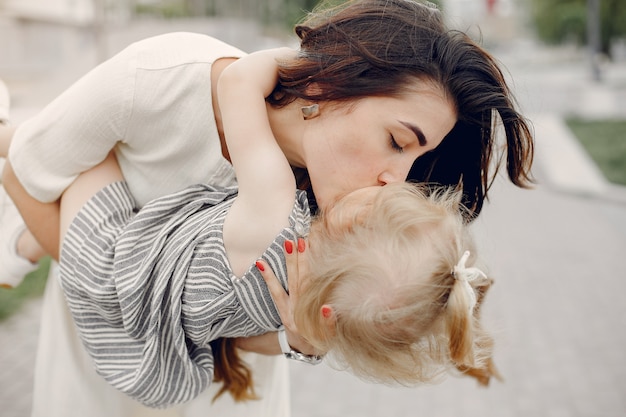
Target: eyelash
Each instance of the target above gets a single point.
(394, 144)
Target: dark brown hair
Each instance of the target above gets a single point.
(376, 47)
(230, 370)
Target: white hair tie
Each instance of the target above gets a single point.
(466, 275)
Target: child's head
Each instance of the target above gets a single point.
(382, 294)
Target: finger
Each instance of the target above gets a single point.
(300, 268)
(278, 293)
(291, 259)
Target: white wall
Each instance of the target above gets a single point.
(73, 12)
(68, 11)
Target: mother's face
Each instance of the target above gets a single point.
(373, 141)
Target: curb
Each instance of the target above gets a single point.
(567, 166)
(564, 161)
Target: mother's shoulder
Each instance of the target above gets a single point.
(177, 48)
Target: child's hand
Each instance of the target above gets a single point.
(285, 302)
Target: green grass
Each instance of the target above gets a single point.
(32, 286)
(605, 141)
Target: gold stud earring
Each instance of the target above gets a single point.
(310, 112)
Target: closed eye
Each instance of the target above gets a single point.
(394, 144)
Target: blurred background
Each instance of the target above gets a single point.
(557, 308)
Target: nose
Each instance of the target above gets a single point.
(396, 172)
(389, 177)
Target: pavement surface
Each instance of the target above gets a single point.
(557, 309)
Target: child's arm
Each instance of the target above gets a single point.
(256, 157)
(266, 182)
(60, 214)
(43, 218)
(265, 179)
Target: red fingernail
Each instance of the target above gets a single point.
(260, 266)
(326, 312)
(300, 245)
(288, 246)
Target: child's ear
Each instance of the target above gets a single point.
(328, 317)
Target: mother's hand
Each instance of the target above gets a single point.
(285, 301)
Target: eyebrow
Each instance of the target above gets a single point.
(421, 138)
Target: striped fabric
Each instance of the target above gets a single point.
(149, 290)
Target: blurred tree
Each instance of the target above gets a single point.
(284, 13)
(271, 12)
(195, 7)
(558, 21)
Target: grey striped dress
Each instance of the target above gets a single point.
(150, 289)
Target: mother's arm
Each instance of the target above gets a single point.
(265, 344)
(296, 269)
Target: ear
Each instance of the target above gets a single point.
(327, 311)
(328, 317)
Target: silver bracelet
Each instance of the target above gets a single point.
(294, 354)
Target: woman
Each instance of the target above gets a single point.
(160, 90)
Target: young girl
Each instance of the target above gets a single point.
(386, 265)
(151, 289)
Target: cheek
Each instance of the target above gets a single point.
(343, 161)
(339, 154)
(355, 152)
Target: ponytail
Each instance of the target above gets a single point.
(469, 345)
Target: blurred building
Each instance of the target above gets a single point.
(39, 34)
(66, 12)
(51, 43)
(493, 21)
(36, 33)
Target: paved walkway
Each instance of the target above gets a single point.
(18, 340)
(556, 252)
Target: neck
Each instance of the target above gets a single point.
(287, 125)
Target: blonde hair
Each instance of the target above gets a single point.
(400, 316)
